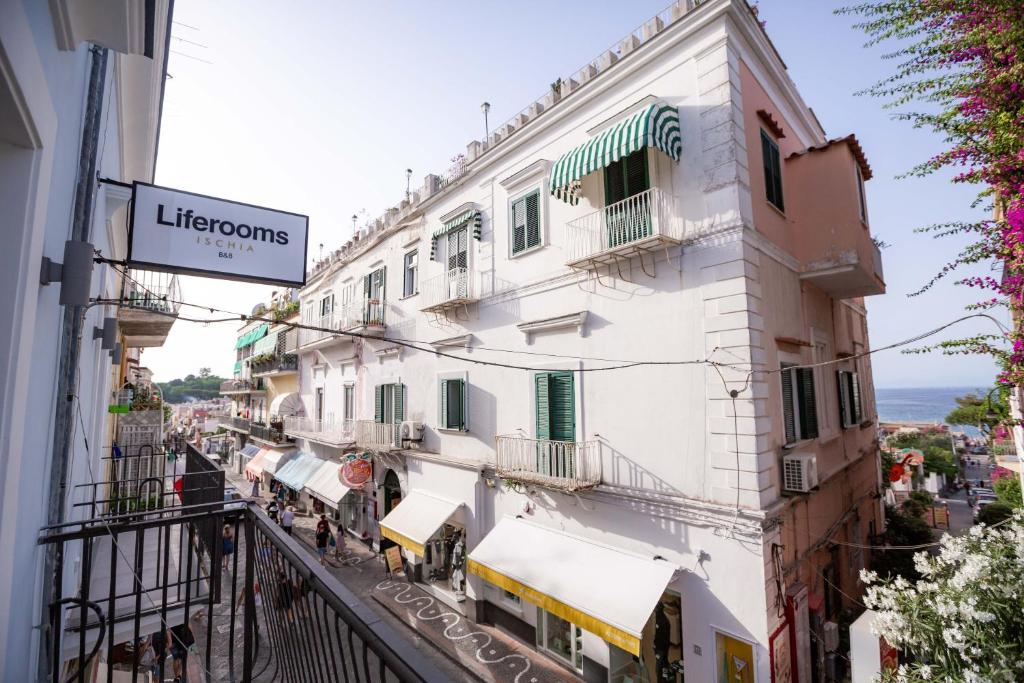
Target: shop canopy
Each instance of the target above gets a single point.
(286, 405)
(267, 344)
(656, 125)
(250, 450)
(607, 591)
(252, 335)
(325, 484)
(254, 468)
(274, 460)
(417, 517)
(296, 472)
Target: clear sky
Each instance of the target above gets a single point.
(318, 108)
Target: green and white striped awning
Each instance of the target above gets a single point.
(238, 367)
(252, 335)
(473, 215)
(266, 345)
(656, 125)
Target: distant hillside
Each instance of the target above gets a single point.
(201, 387)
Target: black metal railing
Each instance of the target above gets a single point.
(288, 362)
(265, 612)
(269, 433)
(239, 423)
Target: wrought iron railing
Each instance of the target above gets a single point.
(566, 465)
(288, 362)
(455, 285)
(649, 214)
(159, 292)
(241, 386)
(265, 612)
(377, 434)
(268, 433)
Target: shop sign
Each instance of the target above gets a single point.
(356, 469)
(781, 657)
(182, 232)
(888, 656)
(393, 555)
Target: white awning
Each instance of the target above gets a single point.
(605, 590)
(287, 405)
(326, 485)
(415, 520)
(275, 459)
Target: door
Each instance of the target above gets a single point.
(319, 404)
(458, 263)
(560, 638)
(628, 208)
(555, 401)
(373, 288)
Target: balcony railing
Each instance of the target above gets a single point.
(268, 433)
(368, 313)
(273, 615)
(289, 362)
(564, 465)
(242, 386)
(645, 221)
(322, 431)
(451, 289)
(237, 423)
(158, 292)
(377, 434)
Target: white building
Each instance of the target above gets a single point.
(81, 84)
(676, 200)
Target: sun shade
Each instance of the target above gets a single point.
(415, 520)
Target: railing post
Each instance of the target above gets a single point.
(249, 618)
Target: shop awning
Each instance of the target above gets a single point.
(250, 450)
(267, 344)
(326, 485)
(287, 405)
(473, 216)
(252, 336)
(656, 125)
(607, 591)
(296, 472)
(274, 460)
(416, 519)
(254, 468)
(238, 367)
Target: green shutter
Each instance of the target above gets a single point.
(636, 172)
(398, 398)
(855, 398)
(383, 283)
(443, 398)
(378, 403)
(788, 417)
(562, 406)
(614, 182)
(518, 225)
(808, 403)
(541, 394)
(532, 202)
(844, 399)
(456, 401)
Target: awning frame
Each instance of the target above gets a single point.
(462, 219)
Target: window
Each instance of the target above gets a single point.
(512, 599)
(319, 407)
(626, 177)
(772, 171)
(560, 638)
(555, 406)
(452, 404)
(799, 407)
(326, 305)
(389, 403)
(374, 285)
(526, 222)
(850, 411)
(410, 274)
(860, 194)
(349, 401)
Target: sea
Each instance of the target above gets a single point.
(930, 404)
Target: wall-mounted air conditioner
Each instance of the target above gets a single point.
(799, 472)
(411, 431)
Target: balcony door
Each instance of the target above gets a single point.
(628, 208)
(373, 288)
(319, 404)
(458, 262)
(555, 402)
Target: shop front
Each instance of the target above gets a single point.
(584, 593)
(359, 503)
(292, 478)
(254, 461)
(272, 461)
(326, 490)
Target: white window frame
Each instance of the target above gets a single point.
(464, 376)
(348, 400)
(541, 220)
(415, 270)
(542, 624)
(825, 399)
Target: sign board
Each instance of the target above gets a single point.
(356, 469)
(780, 655)
(393, 555)
(183, 232)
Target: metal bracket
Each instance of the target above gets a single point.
(50, 272)
(74, 274)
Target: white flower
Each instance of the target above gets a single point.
(867, 576)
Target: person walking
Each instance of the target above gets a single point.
(284, 596)
(288, 519)
(181, 641)
(323, 537)
(272, 508)
(254, 491)
(158, 642)
(227, 546)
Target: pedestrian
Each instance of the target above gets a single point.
(227, 546)
(272, 508)
(288, 519)
(285, 595)
(181, 641)
(254, 492)
(158, 643)
(323, 537)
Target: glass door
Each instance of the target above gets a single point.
(560, 638)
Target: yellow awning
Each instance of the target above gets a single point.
(417, 517)
(607, 591)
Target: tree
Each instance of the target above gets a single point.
(902, 528)
(962, 621)
(984, 413)
(994, 513)
(1007, 490)
(204, 372)
(960, 62)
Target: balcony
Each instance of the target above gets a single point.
(233, 387)
(379, 435)
(329, 432)
(269, 433)
(286, 364)
(848, 273)
(635, 226)
(561, 465)
(150, 307)
(238, 424)
(450, 290)
(122, 577)
(364, 318)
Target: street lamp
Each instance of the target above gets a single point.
(408, 177)
(354, 219)
(485, 108)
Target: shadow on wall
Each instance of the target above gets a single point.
(483, 422)
(619, 470)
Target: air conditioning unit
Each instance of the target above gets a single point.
(830, 632)
(411, 431)
(799, 472)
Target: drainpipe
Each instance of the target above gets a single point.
(71, 328)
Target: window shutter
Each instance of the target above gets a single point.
(855, 398)
(383, 283)
(541, 393)
(844, 399)
(443, 402)
(562, 406)
(518, 225)
(378, 403)
(614, 182)
(456, 393)
(808, 404)
(532, 220)
(398, 394)
(636, 172)
(788, 417)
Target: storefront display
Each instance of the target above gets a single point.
(444, 560)
(560, 638)
(734, 659)
(661, 652)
